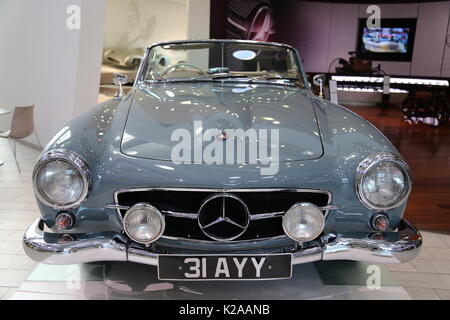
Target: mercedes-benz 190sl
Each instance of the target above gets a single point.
(222, 165)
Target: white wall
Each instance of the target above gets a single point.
(44, 63)
(198, 16)
(89, 54)
(139, 23)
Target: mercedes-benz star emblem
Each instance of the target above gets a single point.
(222, 136)
(223, 217)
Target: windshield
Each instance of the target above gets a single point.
(222, 61)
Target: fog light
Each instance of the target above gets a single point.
(380, 222)
(303, 222)
(64, 221)
(143, 223)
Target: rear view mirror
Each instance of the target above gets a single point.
(119, 79)
(319, 80)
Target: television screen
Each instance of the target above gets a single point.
(392, 41)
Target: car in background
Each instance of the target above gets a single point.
(123, 57)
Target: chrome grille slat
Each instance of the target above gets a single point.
(180, 214)
(254, 216)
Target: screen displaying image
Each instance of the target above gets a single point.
(392, 41)
(388, 40)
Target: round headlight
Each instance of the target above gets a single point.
(383, 181)
(303, 222)
(143, 223)
(61, 179)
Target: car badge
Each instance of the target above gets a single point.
(223, 217)
(222, 136)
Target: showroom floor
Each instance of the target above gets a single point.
(427, 277)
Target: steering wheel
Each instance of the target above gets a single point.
(178, 66)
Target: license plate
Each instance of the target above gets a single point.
(224, 267)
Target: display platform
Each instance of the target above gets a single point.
(342, 280)
(368, 91)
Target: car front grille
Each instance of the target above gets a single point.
(181, 207)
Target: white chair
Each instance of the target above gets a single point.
(22, 126)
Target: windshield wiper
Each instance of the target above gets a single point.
(220, 77)
(275, 78)
(193, 79)
(228, 76)
(244, 78)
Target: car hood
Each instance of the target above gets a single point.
(158, 110)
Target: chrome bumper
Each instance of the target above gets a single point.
(44, 248)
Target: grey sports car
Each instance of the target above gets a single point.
(123, 57)
(222, 165)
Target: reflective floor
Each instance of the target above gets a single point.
(427, 150)
(120, 280)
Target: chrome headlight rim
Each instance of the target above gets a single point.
(72, 159)
(370, 162)
(144, 205)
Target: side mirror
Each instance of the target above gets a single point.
(319, 80)
(119, 79)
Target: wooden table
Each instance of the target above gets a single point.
(2, 112)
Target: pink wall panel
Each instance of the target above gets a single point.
(343, 32)
(392, 10)
(431, 32)
(325, 31)
(389, 11)
(314, 20)
(446, 61)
